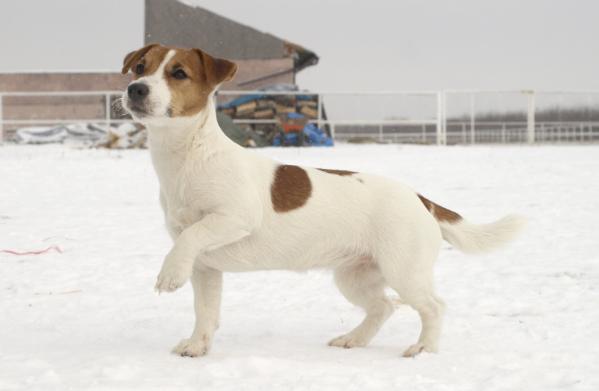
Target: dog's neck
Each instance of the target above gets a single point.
(174, 135)
(173, 140)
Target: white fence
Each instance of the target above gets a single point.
(526, 116)
(424, 117)
(404, 116)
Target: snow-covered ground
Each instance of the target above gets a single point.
(523, 318)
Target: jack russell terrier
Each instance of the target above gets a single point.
(228, 209)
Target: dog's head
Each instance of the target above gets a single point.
(172, 82)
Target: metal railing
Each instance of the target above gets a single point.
(426, 117)
(505, 132)
(543, 116)
(380, 129)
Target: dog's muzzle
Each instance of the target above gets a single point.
(136, 101)
(137, 92)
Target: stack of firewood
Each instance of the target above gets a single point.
(266, 107)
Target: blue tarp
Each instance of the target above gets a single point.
(313, 135)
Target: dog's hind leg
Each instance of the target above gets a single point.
(207, 288)
(410, 274)
(362, 284)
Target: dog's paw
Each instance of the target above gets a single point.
(171, 278)
(418, 348)
(192, 348)
(348, 341)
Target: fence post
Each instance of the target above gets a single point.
(543, 136)
(503, 133)
(444, 116)
(440, 133)
(472, 118)
(559, 132)
(530, 120)
(107, 110)
(1, 120)
(319, 119)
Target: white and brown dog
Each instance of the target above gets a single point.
(228, 209)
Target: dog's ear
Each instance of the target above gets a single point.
(134, 56)
(216, 70)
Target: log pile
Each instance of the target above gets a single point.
(267, 107)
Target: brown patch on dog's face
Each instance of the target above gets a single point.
(186, 81)
(191, 75)
(337, 172)
(145, 61)
(440, 213)
(291, 188)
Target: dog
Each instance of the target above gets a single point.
(229, 209)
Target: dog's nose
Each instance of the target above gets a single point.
(137, 91)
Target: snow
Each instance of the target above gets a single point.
(525, 317)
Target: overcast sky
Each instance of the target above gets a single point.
(367, 46)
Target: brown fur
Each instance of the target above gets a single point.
(204, 72)
(291, 188)
(216, 70)
(337, 172)
(440, 213)
(188, 96)
(150, 55)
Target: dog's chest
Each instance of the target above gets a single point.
(183, 195)
(185, 203)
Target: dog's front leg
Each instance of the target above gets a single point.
(210, 233)
(207, 288)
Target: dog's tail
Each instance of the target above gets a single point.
(473, 238)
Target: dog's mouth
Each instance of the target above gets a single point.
(138, 109)
(145, 109)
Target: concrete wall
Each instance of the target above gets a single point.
(52, 107)
(64, 81)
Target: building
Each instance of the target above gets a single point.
(263, 59)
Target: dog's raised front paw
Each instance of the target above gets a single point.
(192, 347)
(171, 278)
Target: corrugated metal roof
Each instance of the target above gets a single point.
(172, 23)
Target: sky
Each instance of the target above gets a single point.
(363, 45)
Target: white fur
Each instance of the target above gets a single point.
(478, 238)
(374, 232)
(160, 98)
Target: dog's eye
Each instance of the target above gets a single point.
(180, 74)
(139, 68)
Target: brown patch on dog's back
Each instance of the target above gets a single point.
(337, 172)
(440, 213)
(291, 188)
